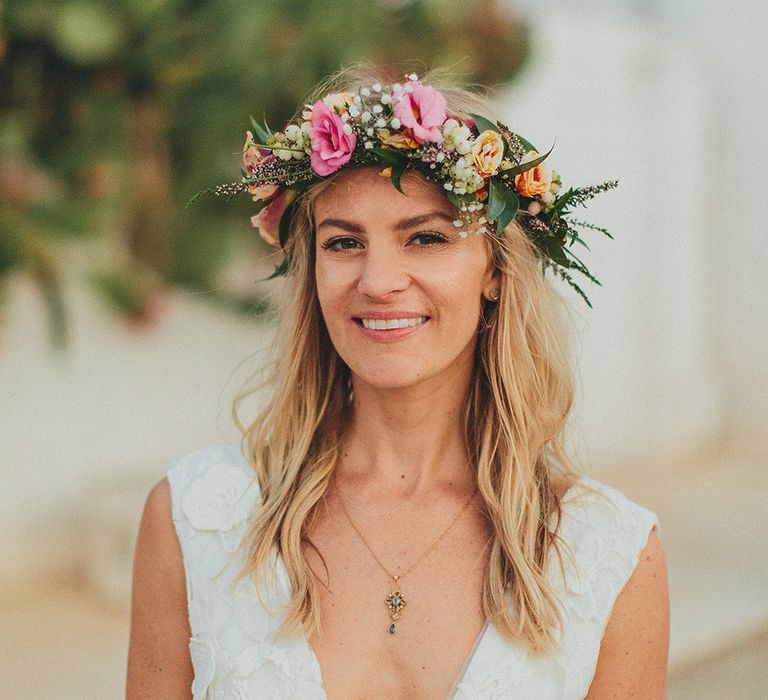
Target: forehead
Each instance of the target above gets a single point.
(364, 193)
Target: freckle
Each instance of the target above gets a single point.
(647, 559)
(402, 476)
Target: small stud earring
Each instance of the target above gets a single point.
(494, 294)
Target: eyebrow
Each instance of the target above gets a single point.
(401, 225)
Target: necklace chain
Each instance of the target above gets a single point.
(424, 554)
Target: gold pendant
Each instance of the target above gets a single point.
(395, 602)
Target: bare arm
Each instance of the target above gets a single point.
(159, 664)
(633, 653)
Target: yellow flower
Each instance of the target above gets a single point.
(397, 140)
(338, 101)
(535, 181)
(487, 152)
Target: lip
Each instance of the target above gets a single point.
(386, 315)
(392, 334)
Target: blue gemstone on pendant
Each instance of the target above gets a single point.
(392, 628)
(395, 601)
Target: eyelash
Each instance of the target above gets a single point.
(437, 239)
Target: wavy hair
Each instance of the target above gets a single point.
(514, 417)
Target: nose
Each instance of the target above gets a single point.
(381, 273)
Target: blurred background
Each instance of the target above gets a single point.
(128, 322)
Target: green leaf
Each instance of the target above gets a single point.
(391, 156)
(496, 200)
(202, 194)
(484, 124)
(503, 205)
(553, 249)
(261, 133)
(508, 214)
(259, 204)
(284, 228)
(395, 175)
(299, 187)
(282, 269)
(460, 200)
(562, 200)
(453, 198)
(578, 264)
(523, 167)
(527, 144)
(565, 276)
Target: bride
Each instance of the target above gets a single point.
(401, 520)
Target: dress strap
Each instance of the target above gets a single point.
(603, 534)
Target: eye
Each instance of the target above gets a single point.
(427, 238)
(340, 243)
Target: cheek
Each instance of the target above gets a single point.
(459, 307)
(324, 283)
(331, 295)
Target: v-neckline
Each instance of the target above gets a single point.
(315, 662)
(462, 672)
(471, 656)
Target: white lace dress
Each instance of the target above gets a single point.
(213, 490)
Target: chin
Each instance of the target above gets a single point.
(390, 375)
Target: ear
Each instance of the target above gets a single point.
(491, 282)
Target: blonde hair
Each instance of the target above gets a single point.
(518, 401)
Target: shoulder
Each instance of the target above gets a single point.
(157, 540)
(635, 646)
(601, 535)
(212, 488)
(615, 589)
(158, 661)
(222, 458)
(601, 525)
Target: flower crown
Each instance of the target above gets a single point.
(489, 173)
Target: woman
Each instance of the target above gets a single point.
(403, 521)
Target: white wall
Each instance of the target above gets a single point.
(671, 97)
(109, 413)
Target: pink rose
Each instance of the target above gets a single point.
(423, 112)
(253, 156)
(332, 147)
(268, 219)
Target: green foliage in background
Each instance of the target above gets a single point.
(112, 114)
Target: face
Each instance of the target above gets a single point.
(401, 292)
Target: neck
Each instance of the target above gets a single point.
(409, 440)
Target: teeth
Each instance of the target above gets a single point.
(381, 324)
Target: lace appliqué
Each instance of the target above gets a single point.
(235, 654)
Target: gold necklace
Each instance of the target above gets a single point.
(395, 601)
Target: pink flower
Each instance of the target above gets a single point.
(253, 156)
(332, 147)
(268, 219)
(423, 112)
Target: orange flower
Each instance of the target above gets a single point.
(535, 181)
(397, 140)
(487, 152)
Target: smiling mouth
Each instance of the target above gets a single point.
(381, 324)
